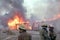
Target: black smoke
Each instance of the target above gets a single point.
(10, 7)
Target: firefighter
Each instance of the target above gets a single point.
(44, 33)
(23, 34)
(52, 34)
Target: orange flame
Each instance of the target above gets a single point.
(13, 23)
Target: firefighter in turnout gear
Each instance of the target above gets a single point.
(52, 34)
(23, 34)
(44, 33)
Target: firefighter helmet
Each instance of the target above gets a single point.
(44, 25)
(51, 27)
(22, 27)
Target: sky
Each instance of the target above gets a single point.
(36, 7)
(41, 9)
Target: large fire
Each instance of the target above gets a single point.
(16, 22)
(13, 23)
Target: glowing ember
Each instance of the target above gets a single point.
(13, 23)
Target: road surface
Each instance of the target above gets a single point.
(35, 35)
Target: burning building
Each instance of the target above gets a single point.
(15, 21)
(13, 14)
